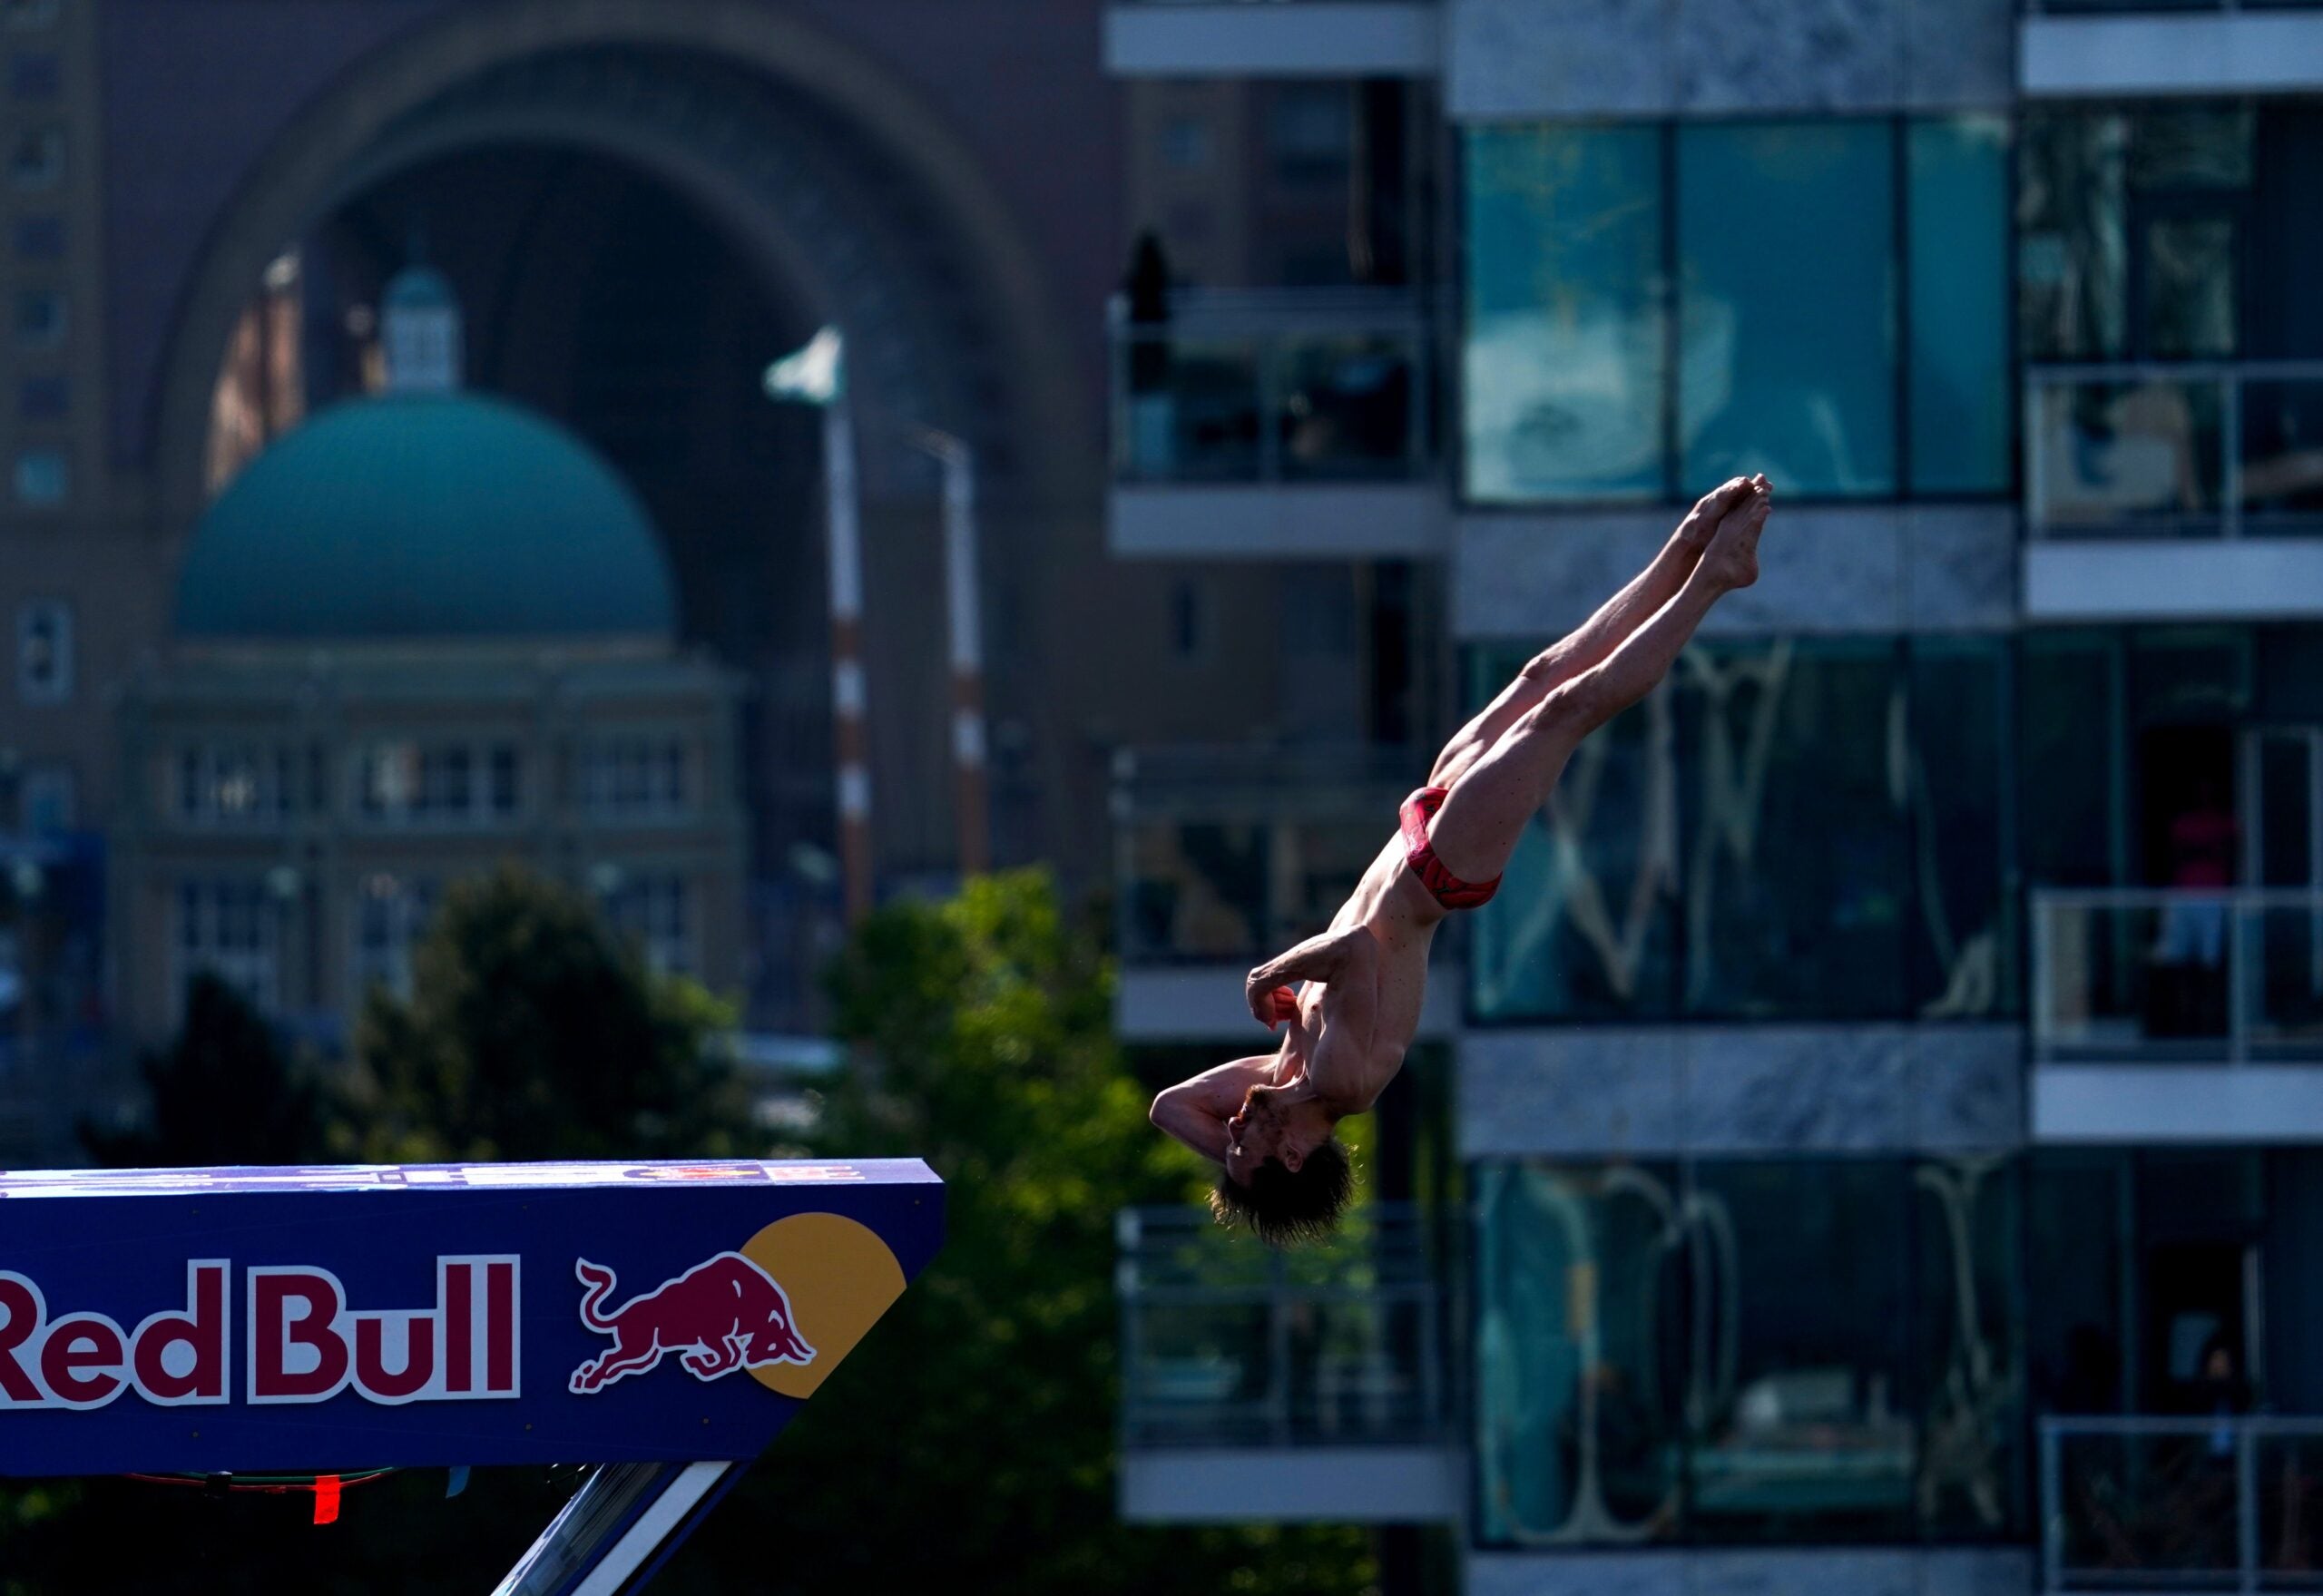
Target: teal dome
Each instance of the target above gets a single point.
(424, 515)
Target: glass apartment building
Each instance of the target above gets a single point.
(1871, 1142)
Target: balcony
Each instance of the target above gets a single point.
(2106, 47)
(2173, 491)
(2169, 1504)
(1271, 38)
(1283, 1385)
(1226, 856)
(1277, 424)
(2178, 1017)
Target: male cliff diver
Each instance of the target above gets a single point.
(1268, 1120)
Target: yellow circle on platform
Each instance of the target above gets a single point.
(838, 1276)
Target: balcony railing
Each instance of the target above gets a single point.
(1274, 386)
(2174, 450)
(1226, 1343)
(2170, 1505)
(1228, 854)
(2178, 976)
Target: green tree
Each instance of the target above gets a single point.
(533, 1033)
(969, 1445)
(223, 1092)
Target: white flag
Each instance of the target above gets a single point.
(815, 375)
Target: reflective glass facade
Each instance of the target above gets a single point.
(1790, 829)
(1746, 1351)
(1654, 309)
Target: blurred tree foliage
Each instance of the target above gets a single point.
(969, 1444)
(224, 1092)
(532, 1032)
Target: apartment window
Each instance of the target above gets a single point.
(45, 800)
(654, 913)
(27, 14)
(43, 477)
(636, 777)
(1790, 829)
(231, 928)
(1311, 132)
(34, 74)
(36, 158)
(40, 237)
(411, 782)
(236, 784)
(1643, 323)
(40, 318)
(45, 397)
(1187, 144)
(1735, 1351)
(391, 916)
(44, 651)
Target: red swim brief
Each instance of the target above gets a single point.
(1450, 891)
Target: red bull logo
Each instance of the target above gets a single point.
(724, 1314)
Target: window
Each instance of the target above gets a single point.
(44, 651)
(391, 916)
(1738, 1351)
(45, 800)
(636, 777)
(34, 74)
(1643, 321)
(1565, 357)
(40, 318)
(1311, 132)
(36, 158)
(1789, 350)
(1186, 144)
(1958, 269)
(232, 929)
(27, 14)
(228, 785)
(1190, 621)
(406, 782)
(653, 912)
(1790, 829)
(43, 399)
(40, 237)
(43, 477)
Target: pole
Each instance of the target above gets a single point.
(845, 555)
(967, 637)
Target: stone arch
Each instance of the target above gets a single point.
(800, 218)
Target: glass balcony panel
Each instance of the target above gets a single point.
(1192, 409)
(2288, 1474)
(1231, 1344)
(2286, 951)
(2147, 1510)
(2126, 457)
(2187, 976)
(1345, 409)
(2282, 456)
(1196, 891)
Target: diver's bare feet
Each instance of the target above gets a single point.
(1731, 561)
(1695, 531)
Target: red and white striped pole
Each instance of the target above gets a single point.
(852, 747)
(965, 632)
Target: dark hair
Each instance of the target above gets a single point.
(1287, 1210)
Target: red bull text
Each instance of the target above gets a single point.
(723, 1313)
(304, 1345)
